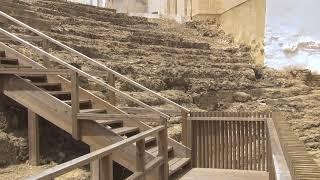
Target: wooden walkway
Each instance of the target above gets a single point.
(224, 174)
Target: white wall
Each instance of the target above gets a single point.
(293, 34)
(101, 3)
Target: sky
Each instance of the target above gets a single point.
(293, 34)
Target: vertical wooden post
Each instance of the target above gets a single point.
(75, 104)
(106, 168)
(94, 167)
(140, 157)
(112, 95)
(45, 47)
(33, 138)
(163, 151)
(184, 124)
(194, 144)
(101, 169)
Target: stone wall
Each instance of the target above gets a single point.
(243, 19)
(246, 23)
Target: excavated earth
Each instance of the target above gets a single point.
(194, 64)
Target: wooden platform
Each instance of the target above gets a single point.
(223, 174)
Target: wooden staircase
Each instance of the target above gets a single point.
(54, 92)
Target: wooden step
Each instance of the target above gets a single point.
(150, 140)
(49, 86)
(83, 104)
(2, 54)
(93, 111)
(155, 150)
(111, 123)
(14, 66)
(176, 164)
(35, 78)
(126, 131)
(62, 95)
(9, 61)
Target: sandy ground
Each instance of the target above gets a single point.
(22, 171)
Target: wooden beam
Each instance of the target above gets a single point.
(141, 110)
(184, 125)
(33, 138)
(123, 117)
(101, 169)
(111, 95)
(149, 170)
(106, 168)
(226, 119)
(94, 167)
(25, 37)
(140, 157)
(45, 47)
(28, 71)
(75, 104)
(163, 151)
(279, 165)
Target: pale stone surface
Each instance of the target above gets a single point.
(223, 174)
(241, 97)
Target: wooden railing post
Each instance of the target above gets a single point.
(101, 169)
(94, 167)
(163, 151)
(45, 47)
(75, 104)
(140, 157)
(33, 137)
(106, 168)
(111, 95)
(194, 142)
(184, 124)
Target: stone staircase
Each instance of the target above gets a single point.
(315, 80)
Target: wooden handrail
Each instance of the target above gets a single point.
(141, 110)
(226, 119)
(98, 154)
(124, 117)
(92, 61)
(111, 88)
(278, 160)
